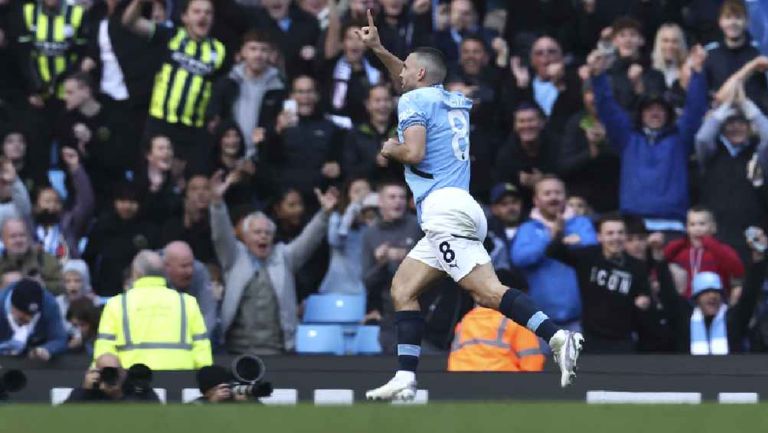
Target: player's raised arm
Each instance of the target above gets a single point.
(370, 36)
(133, 20)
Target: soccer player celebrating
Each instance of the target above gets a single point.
(433, 132)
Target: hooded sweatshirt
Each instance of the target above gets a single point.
(81, 268)
(246, 108)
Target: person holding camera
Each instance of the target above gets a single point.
(242, 383)
(107, 381)
(214, 384)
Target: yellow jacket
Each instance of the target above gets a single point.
(154, 325)
(487, 341)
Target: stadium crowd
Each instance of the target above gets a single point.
(619, 147)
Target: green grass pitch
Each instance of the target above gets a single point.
(475, 417)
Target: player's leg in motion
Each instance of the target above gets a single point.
(410, 280)
(487, 290)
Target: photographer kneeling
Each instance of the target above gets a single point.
(108, 381)
(242, 383)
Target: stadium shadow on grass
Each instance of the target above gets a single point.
(373, 418)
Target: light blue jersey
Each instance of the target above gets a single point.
(445, 115)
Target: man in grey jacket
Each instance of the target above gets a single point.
(258, 313)
(732, 151)
(189, 276)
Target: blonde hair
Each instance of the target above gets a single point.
(657, 58)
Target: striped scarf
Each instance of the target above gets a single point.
(713, 343)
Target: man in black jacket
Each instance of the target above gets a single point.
(734, 51)
(613, 285)
(305, 149)
(710, 326)
(107, 383)
(363, 143)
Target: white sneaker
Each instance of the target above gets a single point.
(397, 389)
(566, 346)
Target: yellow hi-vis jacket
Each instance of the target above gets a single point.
(154, 325)
(487, 341)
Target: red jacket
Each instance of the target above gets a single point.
(714, 256)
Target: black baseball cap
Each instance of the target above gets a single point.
(27, 296)
(501, 190)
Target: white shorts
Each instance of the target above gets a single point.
(454, 228)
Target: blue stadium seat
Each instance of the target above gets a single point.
(334, 308)
(320, 339)
(366, 341)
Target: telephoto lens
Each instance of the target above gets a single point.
(256, 390)
(139, 380)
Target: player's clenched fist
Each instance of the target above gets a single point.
(388, 147)
(369, 34)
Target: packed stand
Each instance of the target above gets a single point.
(221, 160)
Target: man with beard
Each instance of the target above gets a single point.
(58, 229)
(553, 284)
(614, 287)
(183, 84)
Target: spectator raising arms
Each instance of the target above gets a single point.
(654, 150)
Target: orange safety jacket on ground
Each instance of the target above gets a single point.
(487, 341)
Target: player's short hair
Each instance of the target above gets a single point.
(612, 217)
(259, 36)
(733, 8)
(434, 63)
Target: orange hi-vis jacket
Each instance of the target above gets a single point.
(487, 341)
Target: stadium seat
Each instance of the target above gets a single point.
(366, 340)
(333, 308)
(320, 339)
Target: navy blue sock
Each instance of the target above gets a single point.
(518, 306)
(410, 328)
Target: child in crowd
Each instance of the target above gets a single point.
(699, 251)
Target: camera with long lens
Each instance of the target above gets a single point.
(248, 372)
(11, 381)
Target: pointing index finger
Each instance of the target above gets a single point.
(370, 18)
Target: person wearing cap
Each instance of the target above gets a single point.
(732, 151)
(214, 381)
(115, 239)
(506, 216)
(708, 325)
(30, 322)
(653, 149)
